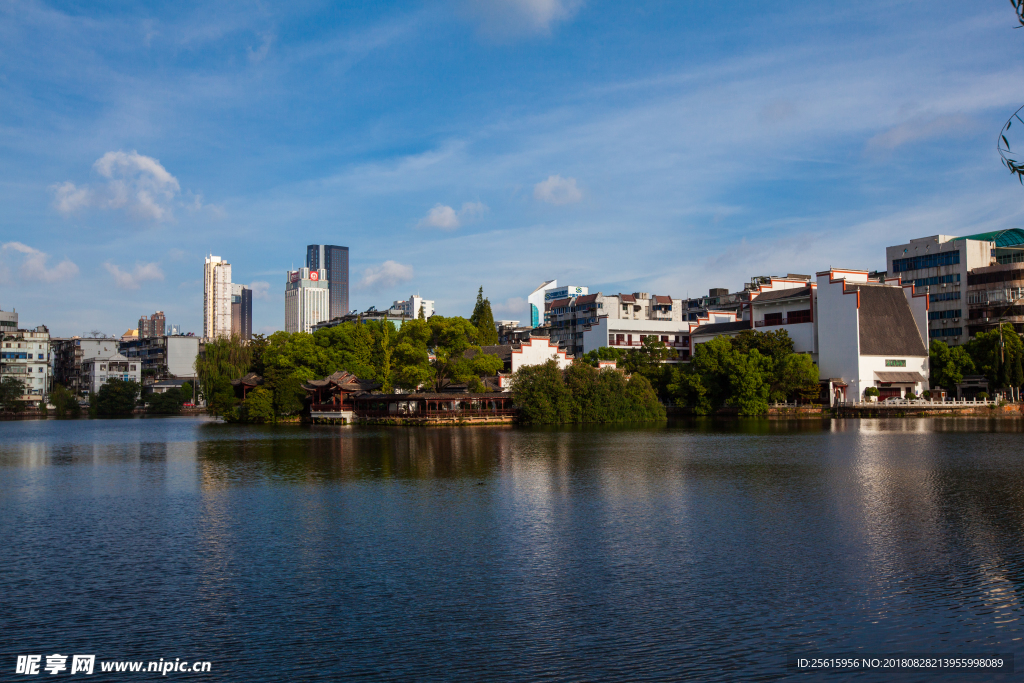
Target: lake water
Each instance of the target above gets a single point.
(699, 551)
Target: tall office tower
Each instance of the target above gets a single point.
(216, 298)
(305, 299)
(241, 312)
(333, 260)
(152, 326)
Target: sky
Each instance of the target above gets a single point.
(665, 146)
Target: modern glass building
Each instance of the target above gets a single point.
(334, 260)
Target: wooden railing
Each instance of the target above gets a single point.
(497, 412)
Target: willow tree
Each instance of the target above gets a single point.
(221, 361)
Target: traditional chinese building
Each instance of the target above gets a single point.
(331, 398)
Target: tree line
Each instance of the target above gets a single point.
(997, 354)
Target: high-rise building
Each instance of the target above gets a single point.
(241, 312)
(152, 326)
(305, 299)
(216, 298)
(334, 261)
(412, 307)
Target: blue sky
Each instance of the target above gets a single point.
(665, 147)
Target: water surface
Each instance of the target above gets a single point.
(697, 551)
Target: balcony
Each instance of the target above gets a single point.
(791, 319)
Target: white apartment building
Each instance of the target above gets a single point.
(536, 302)
(871, 334)
(581, 324)
(306, 299)
(96, 371)
(25, 355)
(787, 303)
(216, 298)
(411, 308)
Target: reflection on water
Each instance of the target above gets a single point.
(702, 550)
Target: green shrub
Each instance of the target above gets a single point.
(982, 396)
(871, 391)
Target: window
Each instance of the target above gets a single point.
(794, 317)
(937, 280)
(103, 367)
(947, 332)
(946, 258)
(944, 315)
(664, 338)
(945, 296)
(895, 363)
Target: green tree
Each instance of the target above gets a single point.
(749, 381)
(796, 376)
(167, 403)
(258, 406)
(483, 320)
(221, 361)
(285, 389)
(187, 392)
(422, 314)
(117, 398)
(541, 395)
(62, 400)
(948, 365)
(11, 391)
(604, 353)
(257, 347)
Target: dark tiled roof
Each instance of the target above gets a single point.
(722, 328)
(887, 326)
(794, 293)
(250, 380)
(502, 351)
(586, 299)
(627, 298)
(558, 303)
(344, 380)
(662, 300)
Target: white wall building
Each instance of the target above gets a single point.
(306, 299)
(411, 307)
(96, 371)
(536, 302)
(25, 355)
(870, 334)
(787, 304)
(216, 298)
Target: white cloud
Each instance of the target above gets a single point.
(513, 306)
(138, 184)
(557, 190)
(134, 278)
(921, 128)
(386, 275)
(509, 18)
(446, 218)
(260, 289)
(34, 264)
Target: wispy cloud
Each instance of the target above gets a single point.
(506, 19)
(133, 279)
(134, 183)
(260, 289)
(385, 276)
(557, 190)
(513, 306)
(33, 264)
(445, 217)
(922, 128)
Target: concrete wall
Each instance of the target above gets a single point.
(537, 351)
(181, 356)
(839, 330)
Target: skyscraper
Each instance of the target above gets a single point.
(241, 312)
(334, 261)
(216, 298)
(305, 299)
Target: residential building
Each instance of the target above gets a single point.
(216, 298)
(412, 307)
(871, 334)
(306, 299)
(241, 312)
(939, 266)
(167, 356)
(995, 295)
(718, 299)
(333, 261)
(153, 326)
(787, 303)
(8, 322)
(69, 354)
(397, 316)
(25, 355)
(583, 323)
(716, 324)
(97, 371)
(560, 293)
(536, 302)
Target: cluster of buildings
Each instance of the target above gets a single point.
(863, 328)
(938, 287)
